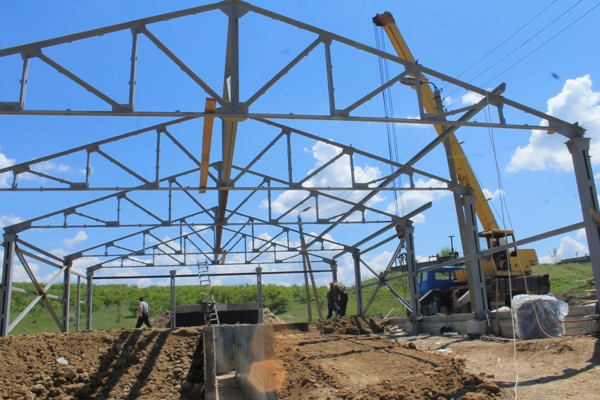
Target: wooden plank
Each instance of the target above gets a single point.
(207, 132)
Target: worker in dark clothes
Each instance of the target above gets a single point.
(144, 313)
(331, 304)
(340, 295)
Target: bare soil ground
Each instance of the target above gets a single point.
(344, 358)
(329, 363)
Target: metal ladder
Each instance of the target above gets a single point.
(207, 297)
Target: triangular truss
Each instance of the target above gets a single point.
(149, 179)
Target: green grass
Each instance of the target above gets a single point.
(104, 318)
(565, 277)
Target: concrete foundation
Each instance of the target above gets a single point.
(500, 324)
(246, 349)
(238, 313)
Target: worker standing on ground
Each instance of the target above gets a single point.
(144, 313)
(340, 296)
(331, 304)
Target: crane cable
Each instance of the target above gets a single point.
(389, 112)
(505, 40)
(504, 208)
(544, 43)
(523, 44)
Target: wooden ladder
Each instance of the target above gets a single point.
(207, 297)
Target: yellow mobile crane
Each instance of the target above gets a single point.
(503, 264)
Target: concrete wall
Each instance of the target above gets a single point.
(247, 349)
(224, 349)
(210, 375)
(193, 314)
(255, 367)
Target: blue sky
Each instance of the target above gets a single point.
(547, 53)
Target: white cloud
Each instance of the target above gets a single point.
(8, 220)
(335, 175)
(49, 166)
(412, 199)
(576, 102)
(5, 162)
(492, 195)
(471, 98)
(78, 238)
(568, 248)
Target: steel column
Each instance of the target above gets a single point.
(259, 294)
(6, 288)
(411, 265)
(173, 324)
(88, 307)
(588, 197)
(66, 300)
(334, 271)
(357, 283)
(78, 314)
(475, 276)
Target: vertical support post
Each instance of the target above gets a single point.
(173, 325)
(132, 72)
(334, 271)
(329, 71)
(475, 276)
(308, 299)
(78, 312)
(309, 267)
(304, 254)
(588, 198)
(358, 283)
(24, 77)
(6, 288)
(411, 265)
(88, 304)
(66, 300)
(259, 294)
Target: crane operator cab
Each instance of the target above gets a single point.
(499, 262)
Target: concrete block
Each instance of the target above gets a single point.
(224, 349)
(236, 306)
(413, 328)
(210, 376)
(476, 327)
(255, 366)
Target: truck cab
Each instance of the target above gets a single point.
(443, 278)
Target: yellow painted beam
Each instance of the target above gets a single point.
(207, 132)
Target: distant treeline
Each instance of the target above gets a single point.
(125, 297)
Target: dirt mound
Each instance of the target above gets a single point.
(346, 367)
(162, 320)
(115, 364)
(349, 325)
(269, 318)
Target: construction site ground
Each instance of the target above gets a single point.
(345, 358)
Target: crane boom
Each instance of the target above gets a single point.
(464, 172)
(503, 265)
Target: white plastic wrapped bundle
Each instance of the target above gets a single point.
(539, 316)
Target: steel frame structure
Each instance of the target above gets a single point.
(217, 223)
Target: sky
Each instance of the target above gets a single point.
(547, 54)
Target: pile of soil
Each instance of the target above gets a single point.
(112, 364)
(270, 319)
(162, 320)
(586, 295)
(349, 325)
